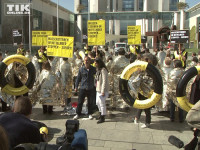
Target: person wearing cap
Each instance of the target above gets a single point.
(19, 127)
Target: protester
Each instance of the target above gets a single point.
(192, 63)
(18, 125)
(42, 56)
(66, 83)
(21, 50)
(102, 88)
(118, 65)
(145, 86)
(28, 54)
(46, 87)
(166, 75)
(172, 82)
(195, 89)
(161, 57)
(86, 77)
(75, 67)
(181, 55)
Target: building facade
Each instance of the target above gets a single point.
(193, 21)
(151, 15)
(43, 17)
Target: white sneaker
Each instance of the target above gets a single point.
(90, 117)
(135, 121)
(76, 117)
(147, 125)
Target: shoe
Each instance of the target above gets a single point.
(44, 107)
(101, 120)
(90, 117)
(76, 117)
(135, 121)
(147, 125)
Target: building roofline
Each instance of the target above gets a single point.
(193, 7)
(60, 7)
(126, 12)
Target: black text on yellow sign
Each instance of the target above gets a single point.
(134, 35)
(96, 32)
(60, 46)
(39, 38)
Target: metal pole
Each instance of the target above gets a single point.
(30, 27)
(57, 19)
(88, 9)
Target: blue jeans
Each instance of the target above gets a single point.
(172, 111)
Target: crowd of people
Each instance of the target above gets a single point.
(93, 74)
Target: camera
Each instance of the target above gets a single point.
(73, 139)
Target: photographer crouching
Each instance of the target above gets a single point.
(19, 127)
(73, 139)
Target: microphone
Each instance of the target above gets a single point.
(175, 141)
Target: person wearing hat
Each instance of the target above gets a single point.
(19, 127)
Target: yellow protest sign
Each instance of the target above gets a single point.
(60, 46)
(134, 35)
(96, 32)
(39, 38)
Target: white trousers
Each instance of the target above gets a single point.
(101, 102)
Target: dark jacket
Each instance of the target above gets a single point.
(19, 129)
(86, 78)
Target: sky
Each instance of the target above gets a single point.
(69, 4)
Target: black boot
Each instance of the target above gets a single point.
(50, 109)
(44, 109)
(101, 120)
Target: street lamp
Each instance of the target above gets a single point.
(57, 19)
(30, 25)
(88, 9)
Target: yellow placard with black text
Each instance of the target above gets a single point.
(39, 38)
(60, 46)
(96, 32)
(134, 35)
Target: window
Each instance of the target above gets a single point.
(37, 20)
(124, 24)
(61, 27)
(141, 5)
(85, 4)
(173, 5)
(128, 5)
(111, 5)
